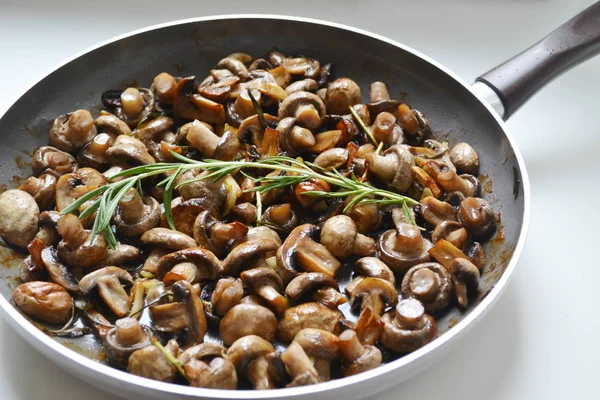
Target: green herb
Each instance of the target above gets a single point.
(169, 357)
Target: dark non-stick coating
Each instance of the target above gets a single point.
(193, 48)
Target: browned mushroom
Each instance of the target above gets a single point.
(244, 213)
(341, 94)
(436, 211)
(306, 107)
(164, 86)
(430, 283)
(453, 232)
(76, 248)
(42, 189)
(294, 138)
(167, 238)
(366, 217)
(356, 357)
(136, 104)
(70, 132)
(218, 374)
(322, 346)
(45, 301)
(93, 154)
(340, 236)
(477, 216)
(375, 268)
(19, 214)
(58, 272)
(109, 282)
(127, 336)
(72, 186)
(248, 354)
(299, 366)
(121, 255)
(385, 129)
(127, 151)
(246, 254)
(408, 327)
(194, 265)
(154, 130)
(465, 277)
(135, 215)
(228, 293)
(150, 362)
(333, 158)
(403, 247)
(394, 168)
(48, 159)
(267, 284)
(304, 85)
(373, 293)
(445, 175)
(465, 158)
(317, 287)
(247, 319)
(307, 315)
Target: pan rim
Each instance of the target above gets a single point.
(48, 346)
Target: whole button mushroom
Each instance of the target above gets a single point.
(430, 283)
(136, 103)
(375, 268)
(299, 366)
(150, 362)
(356, 357)
(322, 347)
(247, 354)
(477, 216)
(75, 248)
(341, 94)
(373, 293)
(340, 236)
(465, 158)
(317, 287)
(218, 374)
(48, 159)
(304, 85)
(70, 132)
(265, 282)
(127, 151)
(70, 187)
(393, 168)
(465, 277)
(307, 315)
(19, 215)
(110, 124)
(167, 239)
(306, 107)
(366, 217)
(135, 215)
(127, 336)
(108, 283)
(408, 327)
(247, 319)
(45, 301)
(228, 293)
(331, 159)
(403, 247)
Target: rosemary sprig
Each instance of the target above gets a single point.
(105, 199)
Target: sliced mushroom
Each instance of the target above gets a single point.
(150, 362)
(307, 107)
(227, 294)
(70, 132)
(373, 293)
(135, 215)
(299, 366)
(453, 232)
(42, 189)
(19, 214)
(445, 175)
(45, 301)
(340, 236)
(292, 137)
(356, 357)
(465, 158)
(203, 264)
(465, 276)
(403, 247)
(58, 272)
(127, 336)
(136, 104)
(436, 211)
(408, 327)
(341, 94)
(218, 374)
(307, 315)
(317, 287)
(185, 293)
(48, 159)
(394, 168)
(477, 216)
(375, 268)
(322, 346)
(243, 256)
(247, 319)
(109, 282)
(430, 283)
(248, 354)
(75, 248)
(167, 238)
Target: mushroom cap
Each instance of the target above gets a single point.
(318, 343)
(432, 287)
(288, 107)
(202, 352)
(109, 123)
(84, 256)
(218, 374)
(151, 363)
(129, 151)
(453, 232)
(90, 281)
(42, 189)
(338, 235)
(466, 271)
(247, 319)
(477, 216)
(243, 255)
(208, 266)
(262, 276)
(122, 254)
(19, 215)
(149, 219)
(374, 287)
(45, 301)
(374, 267)
(263, 232)
(57, 271)
(341, 94)
(404, 339)
(464, 158)
(397, 261)
(304, 283)
(167, 238)
(307, 315)
(247, 348)
(48, 159)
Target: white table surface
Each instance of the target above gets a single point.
(541, 339)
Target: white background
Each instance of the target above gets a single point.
(541, 339)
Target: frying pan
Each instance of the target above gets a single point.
(466, 113)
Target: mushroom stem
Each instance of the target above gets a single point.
(382, 167)
(323, 368)
(70, 229)
(258, 374)
(408, 239)
(112, 289)
(296, 361)
(379, 92)
(276, 301)
(308, 115)
(350, 347)
(409, 314)
(202, 138)
(132, 207)
(132, 101)
(374, 302)
(129, 331)
(80, 122)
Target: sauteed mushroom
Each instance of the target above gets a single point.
(340, 236)
(42, 189)
(72, 131)
(75, 248)
(126, 337)
(408, 328)
(477, 216)
(45, 301)
(402, 248)
(109, 283)
(218, 374)
(307, 315)
(430, 283)
(307, 107)
(228, 293)
(317, 287)
(267, 284)
(136, 215)
(465, 158)
(247, 319)
(299, 366)
(48, 159)
(152, 363)
(357, 358)
(19, 215)
(322, 347)
(394, 168)
(247, 354)
(341, 94)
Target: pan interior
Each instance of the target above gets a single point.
(193, 48)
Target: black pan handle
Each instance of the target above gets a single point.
(517, 79)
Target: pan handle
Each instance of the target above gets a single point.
(517, 79)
